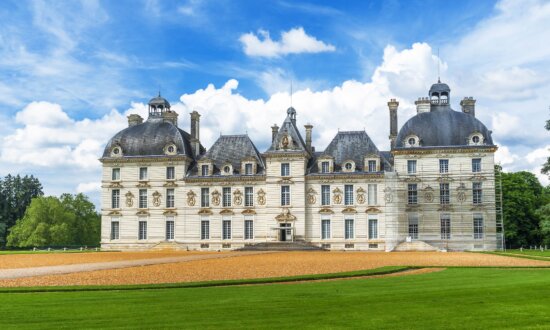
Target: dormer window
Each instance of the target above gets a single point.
(325, 167)
(227, 169)
(116, 152)
(204, 170)
(248, 169)
(412, 141)
(476, 139)
(170, 149)
(372, 166)
(372, 163)
(325, 164)
(349, 166)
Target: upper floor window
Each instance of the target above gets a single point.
(285, 169)
(412, 193)
(226, 197)
(444, 193)
(348, 166)
(248, 169)
(205, 197)
(325, 195)
(170, 173)
(477, 193)
(115, 198)
(285, 195)
(115, 174)
(143, 173)
(170, 198)
(325, 167)
(372, 165)
(476, 165)
(348, 194)
(411, 166)
(143, 198)
(443, 166)
(248, 196)
(204, 170)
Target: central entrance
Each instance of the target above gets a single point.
(285, 232)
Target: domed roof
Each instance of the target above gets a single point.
(159, 100)
(439, 87)
(150, 139)
(444, 127)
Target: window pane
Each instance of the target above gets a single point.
(249, 196)
(478, 226)
(170, 173)
(325, 167)
(115, 199)
(248, 169)
(477, 193)
(412, 194)
(476, 165)
(325, 229)
(143, 198)
(115, 174)
(285, 169)
(226, 196)
(372, 165)
(411, 166)
(373, 228)
(348, 194)
(443, 166)
(170, 198)
(226, 229)
(349, 234)
(285, 195)
(205, 197)
(325, 195)
(204, 170)
(444, 193)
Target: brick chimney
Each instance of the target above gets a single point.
(422, 105)
(134, 119)
(274, 131)
(195, 136)
(170, 117)
(392, 105)
(468, 105)
(309, 128)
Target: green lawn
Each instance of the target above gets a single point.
(474, 298)
(3, 252)
(539, 253)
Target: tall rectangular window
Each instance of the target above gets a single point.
(285, 169)
(411, 166)
(444, 193)
(115, 198)
(205, 197)
(325, 167)
(170, 173)
(476, 165)
(248, 169)
(477, 193)
(170, 198)
(226, 228)
(325, 195)
(142, 234)
(372, 194)
(349, 229)
(412, 193)
(348, 194)
(169, 228)
(204, 170)
(285, 195)
(478, 226)
(373, 228)
(248, 227)
(372, 165)
(143, 173)
(413, 226)
(248, 196)
(205, 228)
(443, 166)
(325, 229)
(143, 198)
(445, 220)
(115, 174)
(226, 197)
(115, 229)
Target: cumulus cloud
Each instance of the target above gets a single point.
(293, 41)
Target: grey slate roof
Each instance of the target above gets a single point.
(233, 149)
(289, 127)
(442, 127)
(149, 139)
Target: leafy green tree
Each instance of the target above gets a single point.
(546, 166)
(544, 215)
(52, 221)
(16, 193)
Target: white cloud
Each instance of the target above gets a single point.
(505, 157)
(89, 187)
(294, 41)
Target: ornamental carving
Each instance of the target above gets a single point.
(248, 212)
(326, 210)
(311, 199)
(215, 198)
(205, 212)
(129, 199)
(116, 185)
(428, 194)
(349, 210)
(143, 185)
(237, 197)
(461, 193)
(170, 212)
(261, 197)
(170, 184)
(373, 210)
(227, 212)
(286, 141)
(156, 198)
(337, 196)
(388, 195)
(285, 216)
(360, 196)
(191, 198)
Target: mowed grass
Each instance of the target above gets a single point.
(474, 298)
(538, 253)
(5, 252)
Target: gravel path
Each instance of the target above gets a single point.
(15, 273)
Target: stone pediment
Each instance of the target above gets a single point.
(285, 181)
(116, 185)
(326, 211)
(349, 210)
(227, 212)
(373, 210)
(248, 212)
(285, 216)
(170, 212)
(114, 213)
(205, 212)
(143, 184)
(170, 184)
(142, 212)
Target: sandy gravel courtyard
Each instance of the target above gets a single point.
(237, 266)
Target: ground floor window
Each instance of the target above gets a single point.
(115, 229)
(445, 226)
(248, 229)
(478, 226)
(142, 232)
(325, 229)
(373, 228)
(349, 226)
(169, 229)
(226, 230)
(413, 226)
(205, 229)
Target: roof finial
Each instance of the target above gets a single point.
(438, 73)
(291, 93)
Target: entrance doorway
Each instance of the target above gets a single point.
(285, 233)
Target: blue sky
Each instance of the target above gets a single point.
(71, 70)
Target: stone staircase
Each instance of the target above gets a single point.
(281, 246)
(164, 246)
(414, 246)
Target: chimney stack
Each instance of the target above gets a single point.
(468, 105)
(308, 127)
(170, 117)
(392, 105)
(134, 119)
(195, 136)
(422, 105)
(274, 131)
